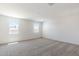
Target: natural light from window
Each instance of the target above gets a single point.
(13, 27)
(36, 27)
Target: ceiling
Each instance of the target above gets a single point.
(36, 11)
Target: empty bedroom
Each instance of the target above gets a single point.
(39, 29)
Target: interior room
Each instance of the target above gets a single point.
(39, 29)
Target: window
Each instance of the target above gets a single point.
(13, 27)
(36, 27)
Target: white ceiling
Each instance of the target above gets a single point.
(36, 11)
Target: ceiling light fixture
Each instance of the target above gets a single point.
(50, 4)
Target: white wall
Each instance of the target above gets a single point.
(61, 20)
(64, 25)
(25, 30)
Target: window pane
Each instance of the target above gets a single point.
(13, 27)
(36, 27)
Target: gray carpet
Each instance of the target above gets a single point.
(39, 47)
